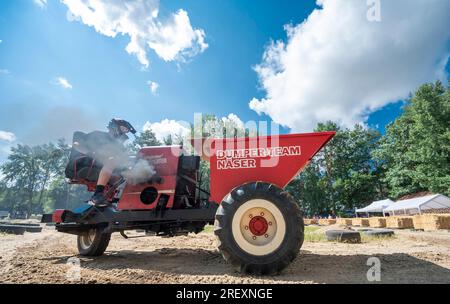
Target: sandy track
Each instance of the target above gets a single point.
(411, 257)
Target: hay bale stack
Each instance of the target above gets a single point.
(431, 221)
(310, 221)
(361, 222)
(344, 221)
(327, 222)
(400, 222)
(377, 222)
(419, 222)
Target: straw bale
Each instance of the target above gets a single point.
(431, 222)
(377, 222)
(400, 222)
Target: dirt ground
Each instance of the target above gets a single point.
(410, 257)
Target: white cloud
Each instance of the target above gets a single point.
(216, 127)
(167, 127)
(153, 86)
(40, 3)
(212, 127)
(171, 39)
(62, 82)
(7, 140)
(7, 136)
(4, 71)
(338, 66)
(233, 121)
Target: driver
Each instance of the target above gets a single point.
(108, 149)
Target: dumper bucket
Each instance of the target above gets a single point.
(273, 159)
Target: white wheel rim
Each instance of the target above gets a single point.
(87, 239)
(258, 227)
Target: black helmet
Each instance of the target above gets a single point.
(119, 127)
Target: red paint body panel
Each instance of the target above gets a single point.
(131, 200)
(163, 158)
(57, 216)
(165, 162)
(272, 159)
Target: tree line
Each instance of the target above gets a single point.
(358, 166)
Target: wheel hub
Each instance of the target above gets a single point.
(258, 225)
(88, 238)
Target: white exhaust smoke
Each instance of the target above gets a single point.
(111, 152)
(141, 172)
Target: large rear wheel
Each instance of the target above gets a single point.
(259, 228)
(93, 242)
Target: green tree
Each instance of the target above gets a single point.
(27, 175)
(51, 159)
(22, 172)
(415, 152)
(145, 139)
(342, 175)
(168, 140)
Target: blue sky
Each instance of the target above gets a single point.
(43, 45)
(39, 44)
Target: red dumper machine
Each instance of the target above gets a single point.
(258, 225)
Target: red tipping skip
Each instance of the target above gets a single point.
(272, 159)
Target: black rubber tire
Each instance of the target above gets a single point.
(364, 229)
(12, 229)
(20, 224)
(380, 232)
(97, 247)
(344, 236)
(33, 229)
(281, 257)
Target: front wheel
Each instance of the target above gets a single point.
(259, 228)
(93, 242)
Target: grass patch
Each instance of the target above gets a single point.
(311, 234)
(310, 229)
(208, 229)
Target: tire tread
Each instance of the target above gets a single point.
(230, 251)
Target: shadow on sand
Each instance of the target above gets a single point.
(308, 267)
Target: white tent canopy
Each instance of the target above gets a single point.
(419, 204)
(377, 206)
